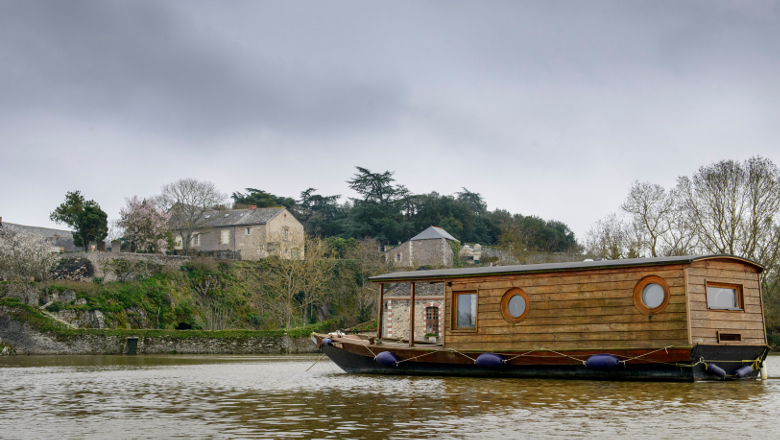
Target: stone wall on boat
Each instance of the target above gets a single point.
(396, 313)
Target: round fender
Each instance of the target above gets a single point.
(716, 370)
(327, 341)
(743, 371)
(489, 360)
(602, 362)
(387, 359)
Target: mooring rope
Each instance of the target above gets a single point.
(666, 349)
(424, 354)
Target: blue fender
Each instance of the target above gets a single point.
(387, 359)
(716, 370)
(489, 360)
(602, 362)
(743, 371)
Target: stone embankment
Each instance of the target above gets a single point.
(20, 334)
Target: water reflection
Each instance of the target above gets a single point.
(273, 397)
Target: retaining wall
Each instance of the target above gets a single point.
(27, 340)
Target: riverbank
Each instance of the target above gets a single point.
(25, 330)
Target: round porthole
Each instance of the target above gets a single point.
(651, 294)
(514, 305)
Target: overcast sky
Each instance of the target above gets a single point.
(545, 108)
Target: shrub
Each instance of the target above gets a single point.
(202, 264)
(56, 306)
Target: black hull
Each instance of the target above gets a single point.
(727, 357)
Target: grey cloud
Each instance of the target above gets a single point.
(138, 63)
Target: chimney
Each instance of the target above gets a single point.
(251, 207)
(1, 221)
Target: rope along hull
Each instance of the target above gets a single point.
(673, 364)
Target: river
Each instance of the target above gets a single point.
(194, 397)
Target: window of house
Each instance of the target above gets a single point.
(465, 309)
(397, 257)
(431, 320)
(225, 236)
(286, 233)
(248, 230)
(651, 294)
(196, 239)
(514, 305)
(724, 296)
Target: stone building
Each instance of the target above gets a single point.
(61, 240)
(248, 234)
(428, 310)
(430, 247)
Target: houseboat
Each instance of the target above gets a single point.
(685, 318)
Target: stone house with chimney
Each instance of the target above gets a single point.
(248, 234)
(430, 247)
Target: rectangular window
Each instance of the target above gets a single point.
(724, 296)
(431, 320)
(464, 306)
(729, 337)
(196, 239)
(397, 257)
(225, 236)
(286, 233)
(247, 231)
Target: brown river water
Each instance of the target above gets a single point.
(182, 396)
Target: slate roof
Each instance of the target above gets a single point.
(550, 267)
(65, 239)
(239, 217)
(434, 233)
(36, 230)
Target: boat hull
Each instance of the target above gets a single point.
(729, 358)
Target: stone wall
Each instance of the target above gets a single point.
(100, 259)
(396, 313)
(26, 340)
(416, 253)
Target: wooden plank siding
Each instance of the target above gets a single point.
(705, 323)
(573, 310)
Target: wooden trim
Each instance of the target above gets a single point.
(730, 337)
(511, 293)
(411, 317)
(639, 288)
(761, 302)
(718, 284)
(381, 310)
(454, 312)
(688, 306)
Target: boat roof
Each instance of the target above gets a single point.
(552, 267)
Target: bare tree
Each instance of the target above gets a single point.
(363, 260)
(289, 286)
(650, 208)
(187, 201)
(734, 208)
(613, 238)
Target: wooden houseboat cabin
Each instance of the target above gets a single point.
(675, 318)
